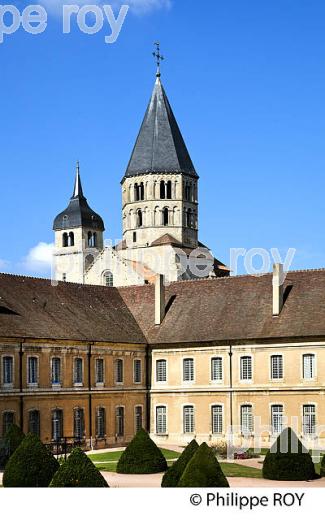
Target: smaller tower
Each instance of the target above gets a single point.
(78, 237)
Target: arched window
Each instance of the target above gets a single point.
(141, 191)
(139, 218)
(169, 190)
(162, 190)
(71, 239)
(92, 239)
(136, 192)
(65, 240)
(95, 239)
(189, 218)
(34, 422)
(78, 423)
(109, 279)
(165, 217)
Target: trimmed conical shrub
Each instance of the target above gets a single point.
(203, 470)
(13, 438)
(142, 456)
(322, 467)
(174, 473)
(78, 471)
(288, 459)
(31, 465)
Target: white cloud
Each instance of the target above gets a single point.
(39, 258)
(4, 264)
(140, 7)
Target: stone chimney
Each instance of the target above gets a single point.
(278, 283)
(159, 299)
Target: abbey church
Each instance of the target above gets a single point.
(154, 332)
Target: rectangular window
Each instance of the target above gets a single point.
(34, 422)
(161, 371)
(99, 371)
(161, 420)
(308, 366)
(8, 420)
(246, 418)
(57, 425)
(216, 369)
(7, 370)
(277, 367)
(32, 370)
(309, 419)
(56, 371)
(120, 421)
(217, 422)
(246, 368)
(188, 420)
(138, 418)
(79, 423)
(100, 423)
(277, 418)
(188, 369)
(77, 371)
(137, 372)
(119, 371)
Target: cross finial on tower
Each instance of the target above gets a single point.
(159, 58)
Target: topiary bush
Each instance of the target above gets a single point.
(174, 473)
(322, 467)
(142, 456)
(31, 465)
(288, 459)
(78, 471)
(203, 470)
(12, 440)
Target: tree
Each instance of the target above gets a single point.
(31, 465)
(142, 456)
(203, 470)
(12, 439)
(174, 473)
(288, 459)
(78, 471)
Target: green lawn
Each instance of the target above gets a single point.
(237, 470)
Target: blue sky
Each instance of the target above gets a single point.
(246, 80)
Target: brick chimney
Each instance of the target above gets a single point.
(159, 299)
(278, 283)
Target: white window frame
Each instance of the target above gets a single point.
(192, 418)
(212, 406)
(82, 422)
(277, 432)
(272, 376)
(314, 376)
(137, 360)
(3, 416)
(241, 371)
(308, 435)
(116, 364)
(216, 381)
(98, 436)
(30, 384)
(4, 384)
(251, 423)
(135, 417)
(166, 370)
(57, 384)
(192, 371)
(99, 383)
(53, 411)
(77, 383)
(39, 419)
(121, 436)
(161, 405)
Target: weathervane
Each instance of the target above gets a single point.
(159, 58)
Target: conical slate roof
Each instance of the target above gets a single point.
(78, 213)
(160, 147)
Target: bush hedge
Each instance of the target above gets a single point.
(322, 467)
(174, 473)
(142, 456)
(78, 471)
(31, 465)
(203, 470)
(12, 440)
(288, 459)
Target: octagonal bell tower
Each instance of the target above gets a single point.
(160, 185)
